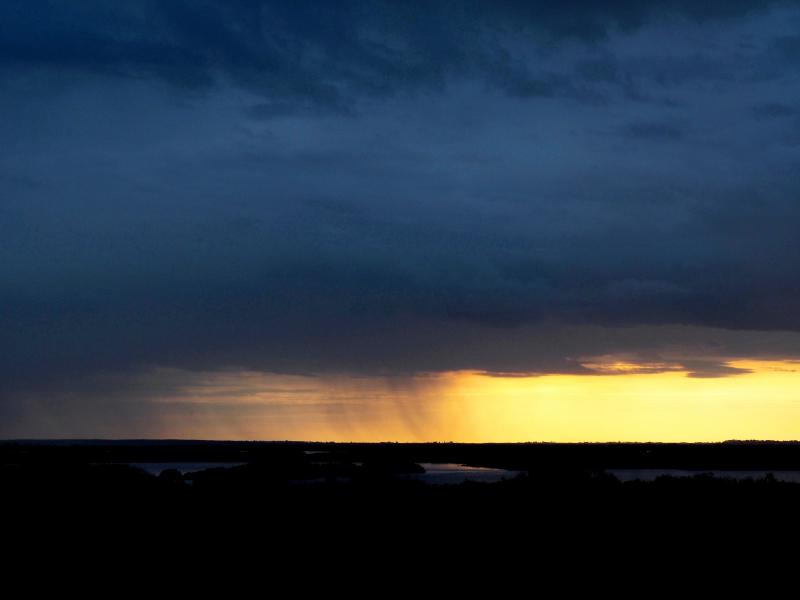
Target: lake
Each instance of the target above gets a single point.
(183, 467)
(452, 473)
(435, 473)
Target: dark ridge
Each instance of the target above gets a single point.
(729, 455)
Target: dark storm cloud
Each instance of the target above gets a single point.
(330, 54)
(776, 110)
(655, 130)
(396, 187)
(789, 47)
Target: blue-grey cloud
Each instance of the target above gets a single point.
(331, 55)
(776, 110)
(384, 187)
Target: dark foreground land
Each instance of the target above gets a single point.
(310, 499)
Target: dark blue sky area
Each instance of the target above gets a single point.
(395, 187)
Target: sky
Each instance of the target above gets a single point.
(369, 220)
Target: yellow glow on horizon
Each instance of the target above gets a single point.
(622, 402)
(668, 406)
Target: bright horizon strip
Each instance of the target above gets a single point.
(474, 407)
(639, 407)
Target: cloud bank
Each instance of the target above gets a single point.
(384, 188)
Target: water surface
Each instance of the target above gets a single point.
(452, 473)
(155, 468)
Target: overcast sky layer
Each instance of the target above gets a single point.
(394, 188)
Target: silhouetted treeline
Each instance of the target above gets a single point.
(534, 456)
(357, 504)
